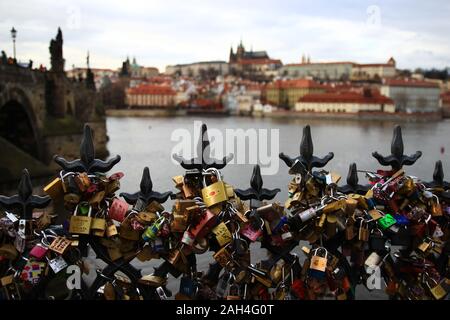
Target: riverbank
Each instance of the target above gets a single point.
(367, 116)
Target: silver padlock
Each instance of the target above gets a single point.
(57, 264)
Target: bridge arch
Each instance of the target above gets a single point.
(18, 123)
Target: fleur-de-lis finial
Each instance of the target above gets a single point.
(438, 177)
(203, 160)
(256, 190)
(146, 192)
(352, 185)
(306, 156)
(397, 159)
(25, 201)
(87, 162)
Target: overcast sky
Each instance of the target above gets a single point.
(157, 33)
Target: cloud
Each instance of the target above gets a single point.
(168, 32)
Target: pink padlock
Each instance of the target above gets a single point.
(251, 233)
(118, 210)
(205, 225)
(39, 251)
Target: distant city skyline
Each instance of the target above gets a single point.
(161, 33)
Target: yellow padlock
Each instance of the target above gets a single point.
(216, 192)
(80, 224)
(223, 235)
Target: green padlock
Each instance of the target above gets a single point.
(387, 221)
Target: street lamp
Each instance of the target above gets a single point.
(14, 35)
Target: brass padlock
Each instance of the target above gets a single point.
(363, 231)
(436, 209)
(98, 226)
(216, 192)
(55, 189)
(223, 235)
(97, 198)
(80, 224)
(317, 262)
(223, 256)
(60, 245)
(111, 229)
(179, 181)
(127, 231)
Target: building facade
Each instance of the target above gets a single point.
(412, 95)
(339, 71)
(198, 69)
(345, 102)
(150, 96)
(285, 93)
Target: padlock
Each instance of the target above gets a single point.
(127, 232)
(72, 198)
(98, 226)
(331, 225)
(216, 192)
(436, 209)
(207, 222)
(223, 256)
(10, 288)
(250, 233)
(113, 183)
(32, 272)
(350, 228)
(57, 264)
(55, 189)
(318, 262)
(375, 214)
(118, 210)
(151, 233)
(114, 253)
(60, 245)
(286, 235)
(436, 289)
(97, 198)
(80, 224)
(82, 180)
(39, 251)
(111, 229)
(377, 240)
(188, 287)
(363, 231)
(8, 251)
(25, 229)
(178, 223)
(387, 221)
(233, 292)
(223, 235)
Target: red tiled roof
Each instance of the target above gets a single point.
(152, 89)
(346, 97)
(296, 83)
(409, 83)
(446, 97)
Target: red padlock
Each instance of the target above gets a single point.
(39, 251)
(118, 210)
(251, 233)
(205, 225)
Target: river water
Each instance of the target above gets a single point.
(147, 142)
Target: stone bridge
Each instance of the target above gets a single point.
(42, 113)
